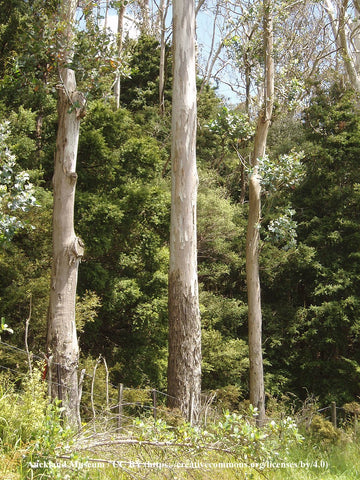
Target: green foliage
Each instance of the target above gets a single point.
(86, 309)
(278, 176)
(285, 132)
(96, 386)
(171, 416)
(315, 312)
(27, 421)
(140, 159)
(225, 360)
(233, 432)
(25, 273)
(309, 289)
(218, 234)
(39, 51)
(322, 430)
(331, 224)
(16, 192)
(36, 444)
(282, 230)
(123, 215)
(352, 407)
(4, 327)
(224, 144)
(141, 87)
(232, 126)
(225, 314)
(95, 60)
(22, 139)
(286, 171)
(29, 67)
(228, 398)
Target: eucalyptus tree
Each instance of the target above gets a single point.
(296, 31)
(344, 17)
(257, 391)
(163, 10)
(184, 363)
(68, 249)
(119, 41)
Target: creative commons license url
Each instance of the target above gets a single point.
(99, 464)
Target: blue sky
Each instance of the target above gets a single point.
(204, 37)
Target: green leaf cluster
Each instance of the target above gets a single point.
(312, 320)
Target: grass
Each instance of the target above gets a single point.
(32, 435)
(323, 462)
(341, 463)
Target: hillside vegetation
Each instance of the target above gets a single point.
(309, 269)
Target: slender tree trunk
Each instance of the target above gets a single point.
(119, 46)
(162, 14)
(184, 364)
(242, 184)
(257, 392)
(247, 83)
(62, 341)
(344, 34)
(145, 17)
(198, 6)
(349, 58)
(106, 15)
(39, 125)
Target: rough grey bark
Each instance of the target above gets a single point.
(184, 364)
(257, 392)
(68, 249)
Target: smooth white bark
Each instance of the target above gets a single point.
(257, 391)
(184, 367)
(346, 36)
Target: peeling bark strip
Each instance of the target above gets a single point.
(184, 364)
(68, 249)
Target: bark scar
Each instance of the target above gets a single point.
(76, 251)
(78, 101)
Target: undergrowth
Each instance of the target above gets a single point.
(35, 444)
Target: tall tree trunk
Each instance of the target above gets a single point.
(184, 364)
(106, 15)
(62, 341)
(257, 392)
(145, 17)
(350, 58)
(162, 15)
(346, 34)
(120, 29)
